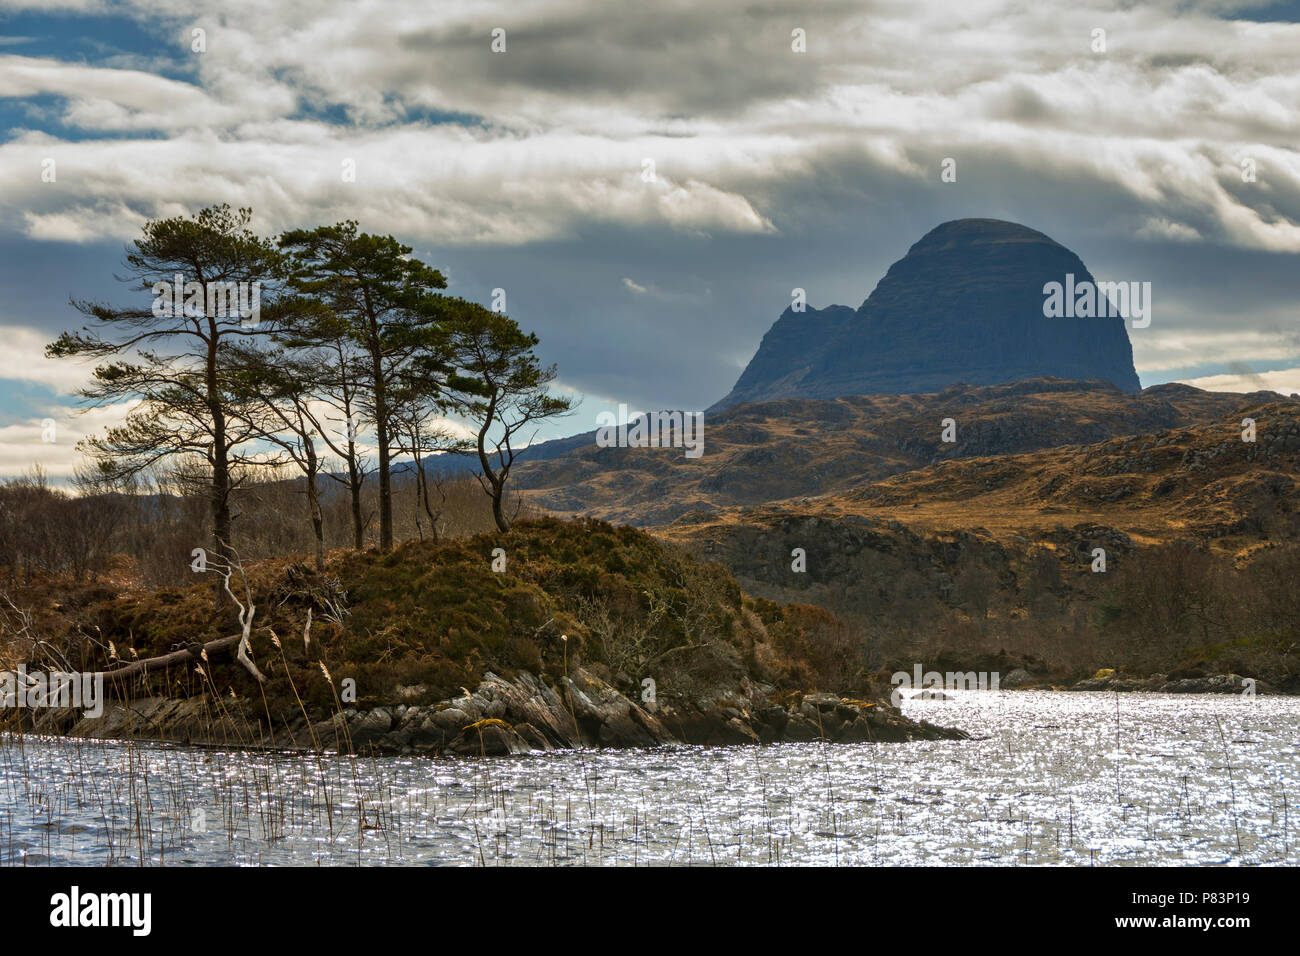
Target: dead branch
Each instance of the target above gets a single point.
(183, 656)
(245, 622)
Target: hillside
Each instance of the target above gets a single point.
(438, 645)
(769, 451)
(1202, 481)
(981, 556)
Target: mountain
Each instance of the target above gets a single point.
(964, 305)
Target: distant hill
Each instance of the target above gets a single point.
(768, 451)
(973, 558)
(964, 305)
(1195, 480)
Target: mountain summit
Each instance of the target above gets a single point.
(964, 305)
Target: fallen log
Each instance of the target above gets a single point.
(239, 641)
(220, 646)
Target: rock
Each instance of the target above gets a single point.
(826, 703)
(529, 701)
(774, 717)
(856, 731)
(395, 741)
(367, 727)
(502, 717)
(490, 737)
(1214, 684)
(744, 732)
(451, 720)
(1017, 678)
(607, 718)
(535, 739)
(799, 729)
(847, 711)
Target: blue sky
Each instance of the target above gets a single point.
(774, 169)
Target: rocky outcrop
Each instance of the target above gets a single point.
(514, 716)
(1173, 684)
(964, 305)
(852, 553)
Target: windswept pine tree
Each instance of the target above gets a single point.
(200, 284)
(424, 354)
(509, 394)
(381, 306)
(228, 379)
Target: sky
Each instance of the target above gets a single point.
(649, 182)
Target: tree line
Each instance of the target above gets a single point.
(350, 336)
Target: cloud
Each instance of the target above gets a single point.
(441, 184)
(27, 443)
(23, 359)
(1286, 381)
(773, 169)
(457, 144)
(1157, 227)
(1183, 349)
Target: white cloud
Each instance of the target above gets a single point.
(1285, 381)
(1183, 349)
(440, 184)
(1157, 227)
(712, 92)
(23, 359)
(23, 444)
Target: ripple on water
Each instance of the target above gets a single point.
(1051, 778)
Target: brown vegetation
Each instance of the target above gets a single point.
(420, 623)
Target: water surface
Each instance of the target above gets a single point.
(1054, 778)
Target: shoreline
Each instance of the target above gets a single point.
(526, 716)
(504, 717)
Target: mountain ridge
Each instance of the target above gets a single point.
(767, 451)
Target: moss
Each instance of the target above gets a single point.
(429, 618)
(488, 722)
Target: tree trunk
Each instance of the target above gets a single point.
(219, 646)
(498, 492)
(428, 509)
(380, 394)
(494, 485)
(354, 489)
(385, 478)
(419, 491)
(220, 491)
(317, 521)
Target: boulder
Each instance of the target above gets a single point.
(490, 737)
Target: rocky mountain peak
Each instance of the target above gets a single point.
(965, 304)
